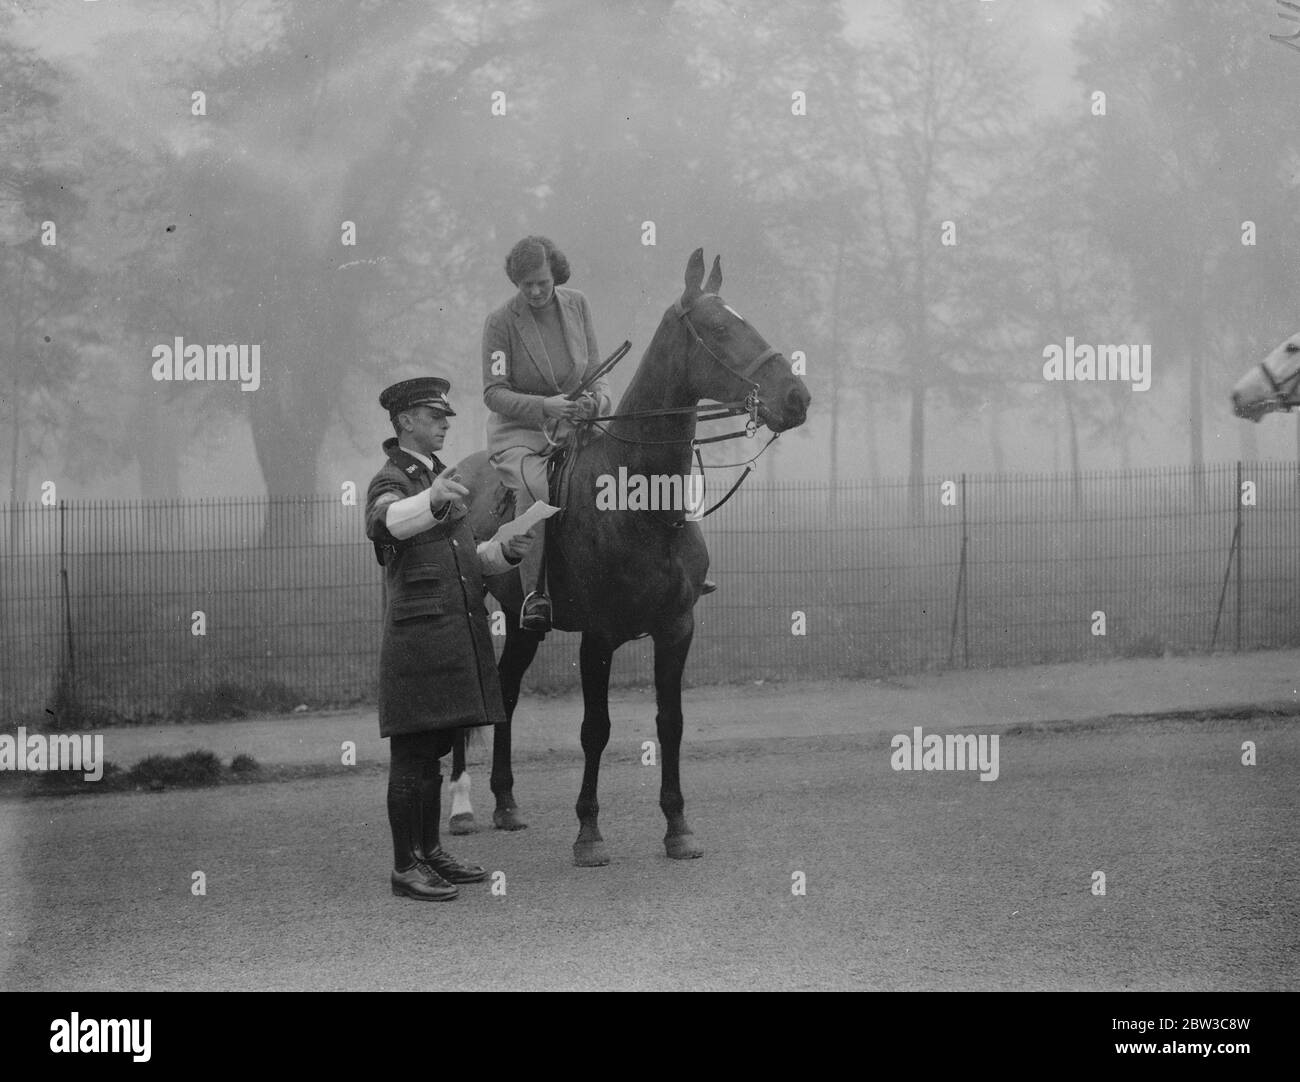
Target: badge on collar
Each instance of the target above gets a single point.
(413, 468)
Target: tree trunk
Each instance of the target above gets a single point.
(837, 361)
(15, 442)
(916, 464)
(921, 361)
(833, 475)
(158, 444)
(1076, 482)
(290, 411)
(1196, 423)
(288, 463)
(869, 439)
(995, 440)
(15, 408)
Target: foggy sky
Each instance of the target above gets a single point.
(122, 83)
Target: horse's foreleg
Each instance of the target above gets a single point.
(670, 660)
(518, 654)
(595, 656)
(462, 812)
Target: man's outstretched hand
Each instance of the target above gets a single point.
(446, 488)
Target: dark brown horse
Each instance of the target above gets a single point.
(618, 575)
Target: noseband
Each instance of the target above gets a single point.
(745, 374)
(1284, 391)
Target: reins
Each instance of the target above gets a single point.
(748, 464)
(696, 443)
(714, 411)
(725, 409)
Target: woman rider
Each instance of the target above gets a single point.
(537, 348)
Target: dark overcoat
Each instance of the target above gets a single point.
(437, 668)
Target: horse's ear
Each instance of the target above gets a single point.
(694, 273)
(715, 276)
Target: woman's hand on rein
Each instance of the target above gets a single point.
(559, 408)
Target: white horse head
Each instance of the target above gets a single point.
(1273, 384)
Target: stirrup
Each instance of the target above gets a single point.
(535, 613)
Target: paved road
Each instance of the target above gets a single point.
(914, 880)
(958, 699)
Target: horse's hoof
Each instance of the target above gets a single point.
(508, 819)
(590, 854)
(462, 824)
(683, 847)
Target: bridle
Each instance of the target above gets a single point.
(1284, 391)
(752, 366)
(721, 410)
(749, 405)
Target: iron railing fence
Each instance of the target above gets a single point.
(143, 610)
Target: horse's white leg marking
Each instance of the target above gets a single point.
(460, 805)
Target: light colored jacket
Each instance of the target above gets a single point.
(515, 397)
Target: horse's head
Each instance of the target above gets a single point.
(728, 359)
(1271, 384)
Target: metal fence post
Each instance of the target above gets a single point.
(67, 692)
(959, 602)
(1241, 552)
(1234, 553)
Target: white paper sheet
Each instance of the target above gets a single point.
(538, 512)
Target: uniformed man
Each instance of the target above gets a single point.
(437, 669)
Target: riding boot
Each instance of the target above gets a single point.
(429, 850)
(535, 614)
(411, 877)
(708, 586)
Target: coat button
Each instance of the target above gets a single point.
(455, 544)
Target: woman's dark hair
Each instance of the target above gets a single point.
(527, 256)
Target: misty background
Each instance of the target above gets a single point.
(923, 359)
